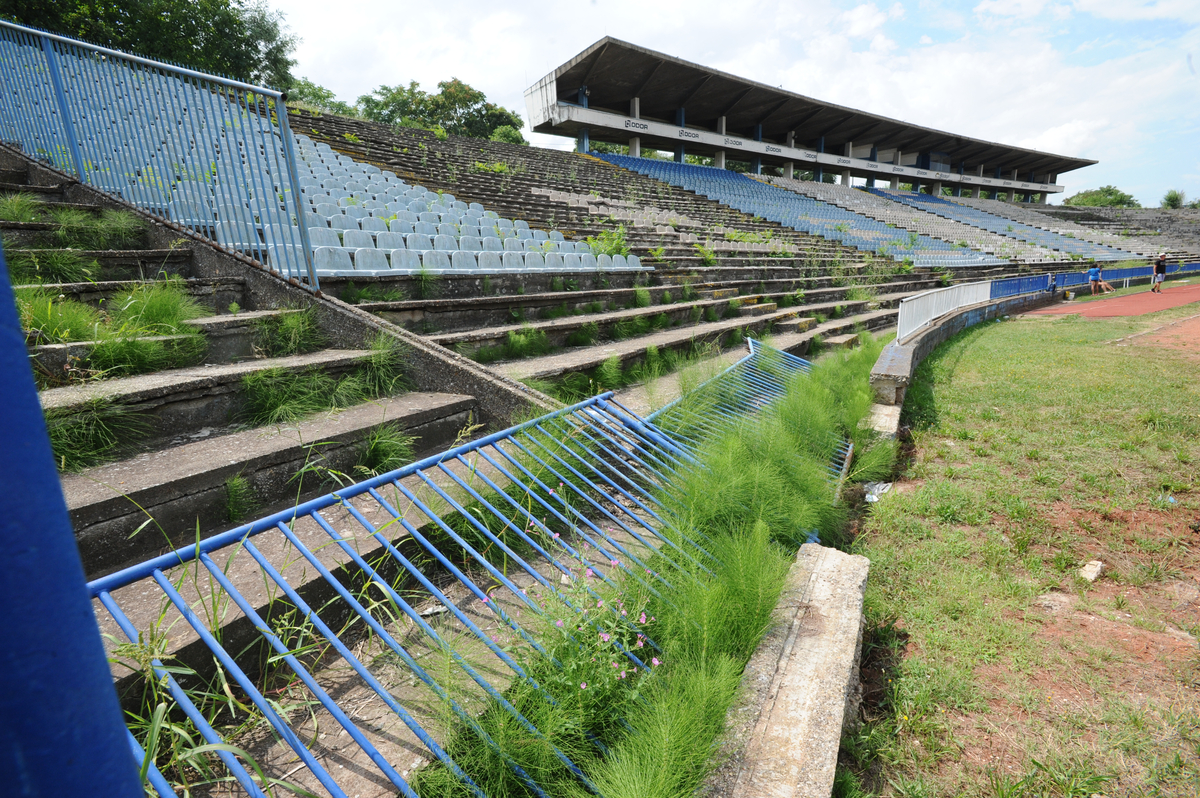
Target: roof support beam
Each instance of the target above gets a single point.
(735, 102)
(649, 77)
(688, 97)
(592, 69)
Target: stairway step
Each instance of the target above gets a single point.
(843, 341)
(183, 489)
(757, 309)
(180, 402)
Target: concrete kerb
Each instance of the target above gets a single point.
(898, 362)
(801, 689)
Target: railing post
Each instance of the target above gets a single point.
(289, 156)
(61, 97)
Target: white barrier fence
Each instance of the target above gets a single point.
(918, 310)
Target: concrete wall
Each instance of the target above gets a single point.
(897, 364)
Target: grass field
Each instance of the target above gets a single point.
(990, 667)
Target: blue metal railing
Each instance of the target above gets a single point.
(492, 535)
(211, 153)
(1013, 286)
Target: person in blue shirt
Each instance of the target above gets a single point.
(1094, 278)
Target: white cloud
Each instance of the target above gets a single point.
(1131, 100)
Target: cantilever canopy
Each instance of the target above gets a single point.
(615, 72)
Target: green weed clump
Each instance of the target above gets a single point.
(641, 298)
(50, 266)
(91, 434)
(586, 335)
(111, 229)
(609, 242)
(20, 207)
(353, 295)
(526, 342)
(49, 320)
(292, 333)
(240, 500)
(281, 396)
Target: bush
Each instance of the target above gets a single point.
(509, 135)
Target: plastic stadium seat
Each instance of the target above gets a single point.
(437, 207)
(492, 244)
(604, 262)
(529, 245)
(521, 224)
(373, 224)
(388, 240)
(468, 230)
(588, 263)
(327, 209)
(534, 262)
(358, 239)
(490, 262)
(514, 262)
(447, 229)
(331, 259)
(445, 243)
(470, 244)
(406, 261)
(417, 206)
(357, 212)
(370, 260)
(475, 206)
(513, 245)
(554, 262)
(618, 263)
(556, 236)
(463, 261)
(425, 228)
(504, 224)
(436, 261)
(571, 262)
(429, 216)
(340, 222)
(403, 228)
(406, 216)
(190, 214)
(540, 235)
(633, 261)
(238, 235)
(419, 242)
(524, 234)
(278, 256)
(323, 237)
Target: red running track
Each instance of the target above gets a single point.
(1129, 305)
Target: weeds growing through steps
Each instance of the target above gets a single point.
(92, 433)
(240, 501)
(609, 242)
(280, 396)
(526, 342)
(20, 207)
(50, 266)
(111, 229)
(295, 332)
(353, 295)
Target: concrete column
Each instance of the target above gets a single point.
(584, 142)
(791, 138)
(818, 169)
(635, 146)
(635, 107)
(1042, 198)
(789, 170)
(849, 153)
(756, 165)
(680, 152)
(845, 177)
(936, 188)
(719, 157)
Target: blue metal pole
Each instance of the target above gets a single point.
(61, 731)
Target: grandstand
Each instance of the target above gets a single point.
(1073, 247)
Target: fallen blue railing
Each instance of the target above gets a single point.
(490, 534)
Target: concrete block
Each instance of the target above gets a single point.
(800, 689)
(1092, 570)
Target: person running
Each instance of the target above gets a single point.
(1160, 273)
(1094, 278)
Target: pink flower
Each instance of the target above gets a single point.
(600, 603)
(605, 636)
(614, 563)
(623, 613)
(642, 618)
(556, 536)
(614, 664)
(583, 685)
(559, 623)
(590, 572)
(484, 599)
(654, 661)
(552, 491)
(640, 642)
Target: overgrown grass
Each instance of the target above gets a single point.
(1037, 445)
(526, 342)
(295, 332)
(353, 295)
(50, 266)
(79, 229)
(20, 207)
(736, 519)
(92, 433)
(240, 500)
(282, 396)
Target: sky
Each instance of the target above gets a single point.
(1117, 81)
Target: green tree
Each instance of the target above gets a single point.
(1105, 196)
(508, 134)
(1174, 199)
(457, 108)
(243, 39)
(319, 97)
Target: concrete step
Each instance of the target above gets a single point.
(133, 264)
(843, 341)
(178, 403)
(175, 494)
(757, 309)
(229, 338)
(215, 293)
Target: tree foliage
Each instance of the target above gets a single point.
(456, 108)
(243, 39)
(305, 91)
(1105, 196)
(1174, 199)
(508, 134)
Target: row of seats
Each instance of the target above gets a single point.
(767, 201)
(1005, 227)
(341, 262)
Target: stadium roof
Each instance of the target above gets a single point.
(615, 72)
